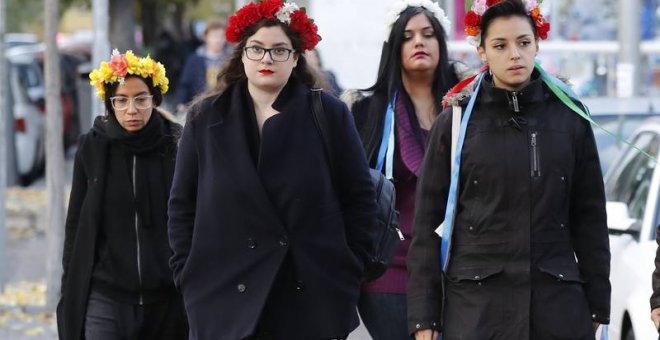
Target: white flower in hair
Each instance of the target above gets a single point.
(284, 14)
(398, 7)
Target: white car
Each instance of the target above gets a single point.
(28, 126)
(632, 186)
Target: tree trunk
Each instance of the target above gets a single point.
(4, 146)
(122, 25)
(150, 24)
(54, 157)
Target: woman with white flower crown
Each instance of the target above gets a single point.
(269, 240)
(116, 282)
(510, 238)
(413, 76)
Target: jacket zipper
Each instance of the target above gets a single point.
(514, 98)
(536, 169)
(137, 232)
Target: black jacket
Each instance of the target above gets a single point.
(530, 255)
(85, 216)
(233, 224)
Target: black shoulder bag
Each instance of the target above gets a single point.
(388, 235)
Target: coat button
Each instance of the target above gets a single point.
(563, 178)
(477, 277)
(241, 288)
(251, 243)
(418, 326)
(300, 286)
(475, 181)
(562, 225)
(283, 243)
(561, 276)
(471, 228)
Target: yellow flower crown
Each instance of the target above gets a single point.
(121, 65)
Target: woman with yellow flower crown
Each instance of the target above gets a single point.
(116, 282)
(510, 234)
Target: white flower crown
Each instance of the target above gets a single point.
(400, 6)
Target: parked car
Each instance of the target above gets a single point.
(632, 186)
(26, 88)
(620, 116)
(27, 107)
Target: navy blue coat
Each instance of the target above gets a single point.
(271, 243)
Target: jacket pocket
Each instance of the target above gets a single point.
(563, 273)
(474, 275)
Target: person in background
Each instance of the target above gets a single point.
(329, 80)
(268, 241)
(413, 76)
(201, 70)
(116, 282)
(524, 248)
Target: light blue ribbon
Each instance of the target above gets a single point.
(452, 199)
(386, 150)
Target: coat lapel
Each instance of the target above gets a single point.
(227, 132)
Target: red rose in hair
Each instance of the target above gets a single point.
(542, 28)
(472, 19)
(268, 8)
(492, 2)
(245, 17)
(307, 30)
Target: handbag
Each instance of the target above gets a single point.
(388, 235)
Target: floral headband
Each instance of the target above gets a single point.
(121, 65)
(285, 12)
(401, 6)
(475, 9)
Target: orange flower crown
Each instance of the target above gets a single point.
(285, 12)
(476, 8)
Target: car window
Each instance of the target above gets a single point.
(633, 177)
(622, 126)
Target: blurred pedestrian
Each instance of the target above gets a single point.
(201, 70)
(268, 242)
(414, 74)
(524, 251)
(329, 80)
(116, 282)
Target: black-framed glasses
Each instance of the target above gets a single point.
(256, 53)
(142, 102)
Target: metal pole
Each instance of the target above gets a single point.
(101, 46)
(629, 54)
(4, 120)
(54, 157)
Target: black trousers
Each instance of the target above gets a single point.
(107, 319)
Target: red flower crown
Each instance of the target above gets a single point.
(286, 12)
(476, 8)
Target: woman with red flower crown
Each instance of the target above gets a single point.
(510, 235)
(269, 242)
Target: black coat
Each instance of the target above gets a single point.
(530, 254)
(234, 223)
(83, 222)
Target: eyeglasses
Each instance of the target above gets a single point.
(121, 103)
(256, 53)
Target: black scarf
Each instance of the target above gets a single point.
(147, 145)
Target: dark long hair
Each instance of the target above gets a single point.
(111, 90)
(504, 9)
(388, 81)
(233, 71)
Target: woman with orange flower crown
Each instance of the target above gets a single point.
(510, 235)
(269, 242)
(116, 282)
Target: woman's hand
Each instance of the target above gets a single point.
(655, 316)
(427, 334)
